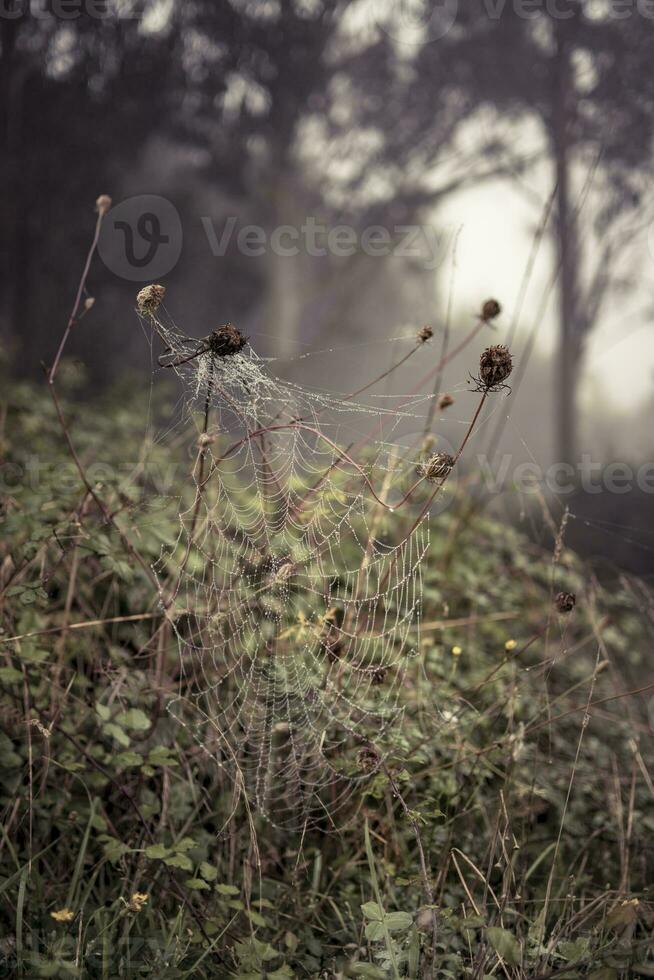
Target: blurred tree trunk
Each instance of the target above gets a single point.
(569, 354)
(10, 94)
(285, 300)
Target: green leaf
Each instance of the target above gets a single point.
(257, 919)
(374, 932)
(162, 756)
(398, 921)
(284, 973)
(505, 945)
(9, 675)
(227, 890)
(367, 971)
(32, 655)
(573, 951)
(134, 719)
(114, 849)
(197, 884)
(117, 733)
(372, 911)
(126, 760)
(103, 711)
(157, 852)
(179, 861)
(208, 871)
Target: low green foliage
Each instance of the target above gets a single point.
(126, 852)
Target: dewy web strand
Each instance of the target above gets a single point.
(294, 608)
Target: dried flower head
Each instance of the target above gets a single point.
(425, 334)
(495, 366)
(436, 468)
(226, 341)
(150, 298)
(368, 759)
(137, 901)
(444, 402)
(63, 915)
(565, 602)
(490, 310)
(103, 204)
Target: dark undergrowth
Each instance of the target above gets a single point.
(523, 763)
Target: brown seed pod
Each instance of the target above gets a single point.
(436, 468)
(103, 204)
(150, 298)
(444, 402)
(425, 334)
(565, 602)
(226, 341)
(490, 310)
(495, 366)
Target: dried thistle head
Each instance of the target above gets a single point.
(425, 334)
(436, 467)
(226, 341)
(490, 310)
(103, 204)
(444, 402)
(150, 298)
(565, 602)
(495, 366)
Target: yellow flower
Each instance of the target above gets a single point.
(137, 901)
(510, 645)
(456, 651)
(63, 915)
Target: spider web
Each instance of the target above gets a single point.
(296, 592)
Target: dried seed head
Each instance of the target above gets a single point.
(490, 310)
(89, 303)
(150, 298)
(444, 402)
(368, 760)
(495, 366)
(436, 468)
(565, 602)
(425, 334)
(226, 341)
(103, 204)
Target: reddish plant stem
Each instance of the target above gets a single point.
(51, 377)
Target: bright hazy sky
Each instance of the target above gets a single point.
(498, 225)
